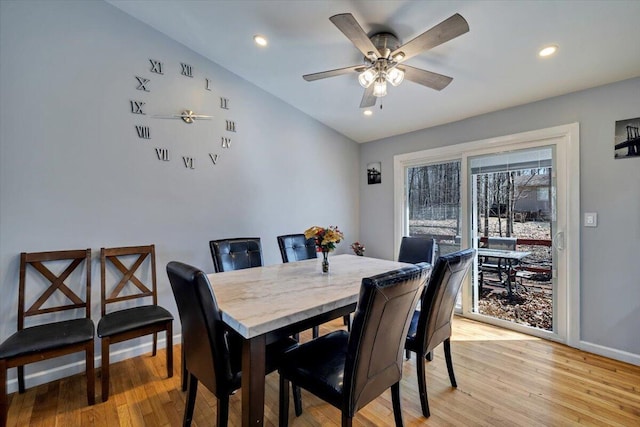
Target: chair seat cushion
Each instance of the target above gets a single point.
(132, 318)
(318, 366)
(49, 336)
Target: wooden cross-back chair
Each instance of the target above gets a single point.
(53, 339)
(133, 322)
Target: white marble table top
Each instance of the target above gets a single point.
(259, 300)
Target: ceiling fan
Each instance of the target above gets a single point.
(384, 56)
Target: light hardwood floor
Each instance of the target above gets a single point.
(504, 379)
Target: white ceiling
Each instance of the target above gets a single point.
(494, 66)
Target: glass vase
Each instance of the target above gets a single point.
(325, 262)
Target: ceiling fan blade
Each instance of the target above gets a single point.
(354, 32)
(426, 78)
(333, 73)
(368, 100)
(448, 29)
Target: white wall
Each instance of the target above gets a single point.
(610, 271)
(73, 174)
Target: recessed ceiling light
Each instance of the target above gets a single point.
(260, 40)
(548, 50)
(367, 112)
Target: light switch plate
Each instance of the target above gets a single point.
(590, 219)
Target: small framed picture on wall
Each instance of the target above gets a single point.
(374, 173)
(627, 139)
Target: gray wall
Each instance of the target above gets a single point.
(610, 253)
(73, 174)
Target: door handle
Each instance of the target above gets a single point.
(558, 241)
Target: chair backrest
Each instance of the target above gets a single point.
(119, 291)
(505, 243)
(380, 324)
(204, 336)
(43, 301)
(295, 247)
(417, 249)
(439, 298)
(236, 254)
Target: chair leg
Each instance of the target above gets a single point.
(347, 322)
(284, 402)
(347, 421)
(223, 410)
(90, 371)
(4, 401)
(170, 349)
(422, 385)
(407, 354)
(395, 398)
(104, 370)
(315, 331)
(429, 356)
(192, 391)
(155, 344)
(447, 356)
(21, 387)
(185, 374)
(297, 400)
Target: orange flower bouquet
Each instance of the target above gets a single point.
(326, 239)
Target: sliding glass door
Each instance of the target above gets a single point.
(510, 198)
(513, 205)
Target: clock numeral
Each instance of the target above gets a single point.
(143, 132)
(214, 158)
(156, 66)
(231, 126)
(142, 84)
(226, 142)
(163, 154)
(188, 162)
(207, 84)
(137, 107)
(187, 70)
(224, 103)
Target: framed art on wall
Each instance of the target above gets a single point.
(374, 173)
(627, 138)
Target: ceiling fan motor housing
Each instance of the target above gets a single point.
(385, 43)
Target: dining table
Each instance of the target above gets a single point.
(263, 304)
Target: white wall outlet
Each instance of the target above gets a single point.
(590, 219)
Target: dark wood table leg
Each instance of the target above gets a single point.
(253, 377)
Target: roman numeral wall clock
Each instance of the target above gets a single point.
(219, 135)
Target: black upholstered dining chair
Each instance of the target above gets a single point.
(295, 247)
(236, 254)
(350, 369)
(68, 274)
(417, 249)
(212, 352)
(431, 325)
(119, 287)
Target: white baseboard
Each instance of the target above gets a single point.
(58, 372)
(611, 353)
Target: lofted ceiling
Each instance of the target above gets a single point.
(494, 66)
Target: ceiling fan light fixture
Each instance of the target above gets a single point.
(395, 76)
(380, 87)
(367, 77)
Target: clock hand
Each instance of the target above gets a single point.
(187, 116)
